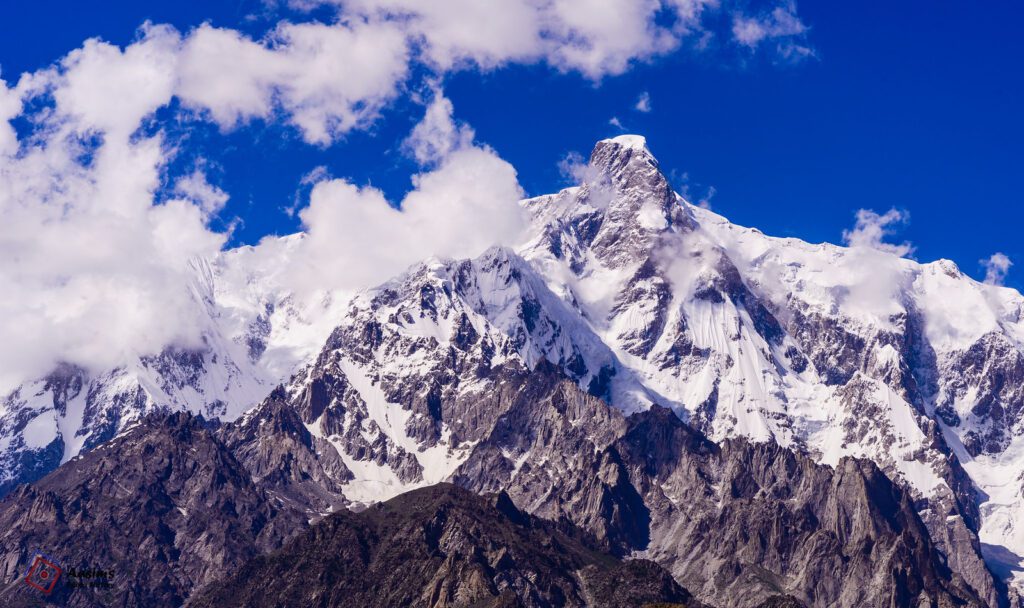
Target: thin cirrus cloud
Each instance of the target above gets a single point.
(99, 257)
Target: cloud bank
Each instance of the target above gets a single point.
(99, 239)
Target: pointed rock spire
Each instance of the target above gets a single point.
(638, 201)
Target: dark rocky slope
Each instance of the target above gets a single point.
(164, 508)
(443, 546)
(282, 456)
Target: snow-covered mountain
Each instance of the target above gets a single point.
(640, 299)
(254, 336)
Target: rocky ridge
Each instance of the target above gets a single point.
(444, 547)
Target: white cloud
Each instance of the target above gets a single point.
(578, 170)
(355, 238)
(615, 122)
(327, 79)
(596, 38)
(780, 26)
(575, 168)
(996, 268)
(10, 106)
(871, 229)
(102, 88)
(463, 31)
(599, 37)
(94, 269)
(228, 75)
(437, 135)
(467, 203)
(643, 103)
(194, 187)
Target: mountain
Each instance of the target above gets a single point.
(647, 484)
(253, 334)
(644, 303)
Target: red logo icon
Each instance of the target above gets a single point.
(43, 574)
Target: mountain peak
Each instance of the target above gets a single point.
(635, 142)
(624, 154)
(621, 159)
(636, 201)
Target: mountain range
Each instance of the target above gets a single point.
(707, 413)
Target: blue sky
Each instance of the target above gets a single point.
(914, 105)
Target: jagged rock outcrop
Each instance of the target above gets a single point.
(737, 522)
(285, 459)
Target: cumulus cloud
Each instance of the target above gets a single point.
(103, 88)
(194, 187)
(326, 79)
(643, 103)
(355, 237)
(95, 269)
(596, 38)
(10, 106)
(996, 267)
(871, 229)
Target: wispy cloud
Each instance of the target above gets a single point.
(643, 103)
(779, 28)
(996, 268)
(871, 230)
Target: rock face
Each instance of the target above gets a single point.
(162, 508)
(285, 459)
(443, 547)
(738, 523)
